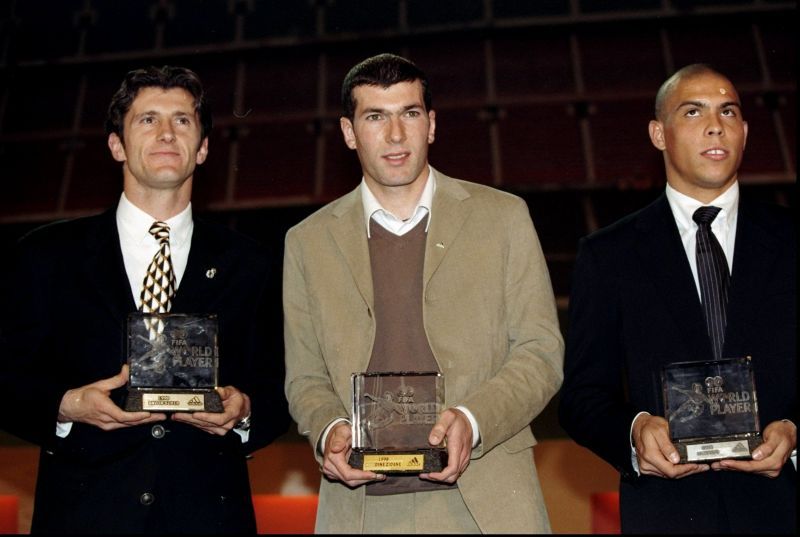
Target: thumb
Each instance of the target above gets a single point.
(337, 445)
(764, 450)
(668, 450)
(117, 381)
(339, 440)
(439, 430)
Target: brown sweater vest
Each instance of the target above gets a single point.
(400, 341)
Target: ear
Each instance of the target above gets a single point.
(202, 152)
(347, 131)
(117, 148)
(744, 142)
(432, 127)
(656, 129)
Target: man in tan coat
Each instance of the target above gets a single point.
(416, 269)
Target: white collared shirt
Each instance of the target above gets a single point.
(139, 246)
(723, 226)
(375, 211)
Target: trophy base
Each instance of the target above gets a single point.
(705, 450)
(139, 400)
(411, 461)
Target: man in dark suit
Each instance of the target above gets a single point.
(636, 306)
(65, 301)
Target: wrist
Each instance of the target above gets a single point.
(70, 398)
(636, 426)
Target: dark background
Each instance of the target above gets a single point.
(547, 99)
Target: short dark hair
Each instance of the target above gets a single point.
(166, 77)
(383, 70)
(687, 72)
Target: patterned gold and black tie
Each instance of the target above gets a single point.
(714, 277)
(159, 284)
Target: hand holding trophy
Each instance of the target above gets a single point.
(173, 361)
(393, 413)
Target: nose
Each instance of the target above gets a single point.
(397, 132)
(714, 126)
(167, 133)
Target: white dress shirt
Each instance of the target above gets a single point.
(139, 245)
(723, 226)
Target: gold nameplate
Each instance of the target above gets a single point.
(155, 402)
(413, 462)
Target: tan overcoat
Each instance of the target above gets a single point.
(490, 318)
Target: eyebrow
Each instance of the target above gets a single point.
(702, 104)
(406, 108)
(179, 113)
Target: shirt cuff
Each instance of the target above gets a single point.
(63, 429)
(244, 435)
(476, 434)
(634, 459)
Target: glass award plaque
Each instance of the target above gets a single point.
(712, 409)
(173, 360)
(392, 416)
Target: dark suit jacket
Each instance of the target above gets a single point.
(64, 308)
(634, 307)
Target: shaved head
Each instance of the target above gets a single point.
(690, 71)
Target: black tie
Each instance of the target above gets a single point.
(712, 271)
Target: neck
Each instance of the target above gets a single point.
(399, 200)
(161, 204)
(703, 195)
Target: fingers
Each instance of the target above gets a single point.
(92, 405)
(440, 428)
(117, 381)
(454, 426)
(235, 404)
(334, 463)
(202, 421)
(336, 467)
(780, 438)
(655, 452)
(672, 471)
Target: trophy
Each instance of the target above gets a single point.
(712, 409)
(173, 361)
(393, 413)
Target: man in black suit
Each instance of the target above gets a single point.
(66, 297)
(636, 306)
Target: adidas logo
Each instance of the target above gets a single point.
(194, 401)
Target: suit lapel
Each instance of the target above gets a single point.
(447, 218)
(349, 233)
(104, 268)
(661, 252)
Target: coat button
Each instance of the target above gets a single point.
(158, 431)
(147, 498)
